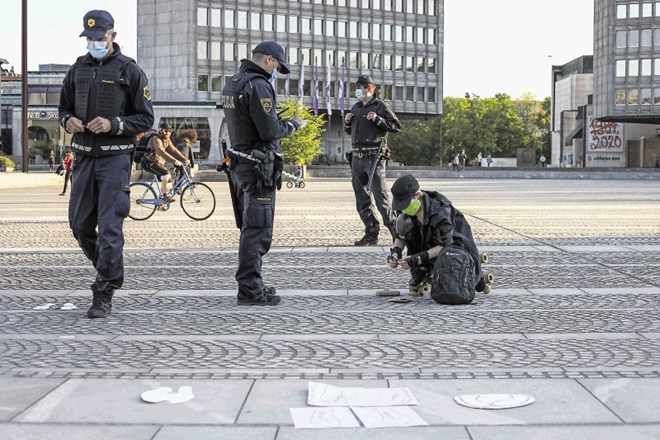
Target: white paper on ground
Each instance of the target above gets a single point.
(68, 306)
(494, 401)
(329, 395)
(45, 306)
(388, 417)
(161, 394)
(326, 417)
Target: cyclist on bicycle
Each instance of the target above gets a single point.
(297, 174)
(162, 151)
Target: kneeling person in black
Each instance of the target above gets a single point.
(427, 223)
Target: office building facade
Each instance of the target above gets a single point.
(190, 48)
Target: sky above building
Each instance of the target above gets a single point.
(504, 46)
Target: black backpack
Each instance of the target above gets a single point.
(142, 147)
(453, 276)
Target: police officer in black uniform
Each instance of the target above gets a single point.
(105, 102)
(256, 162)
(368, 123)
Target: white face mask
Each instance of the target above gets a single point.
(98, 49)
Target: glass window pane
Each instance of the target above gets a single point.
(293, 24)
(646, 67)
(431, 36)
(620, 11)
(352, 29)
(202, 17)
(647, 9)
(229, 52)
(621, 39)
(657, 9)
(656, 67)
(375, 31)
(318, 26)
(633, 68)
(268, 22)
(364, 30)
(633, 38)
(216, 17)
(409, 6)
(215, 50)
(410, 34)
(633, 97)
(306, 26)
(255, 21)
(229, 18)
(633, 12)
(329, 28)
(620, 97)
(656, 97)
(202, 83)
(430, 94)
(216, 85)
(281, 23)
(387, 32)
(656, 38)
(645, 97)
(387, 5)
(398, 33)
(621, 68)
(202, 50)
(430, 10)
(341, 28)
(420, 35)
(420, 94)
(646, 37)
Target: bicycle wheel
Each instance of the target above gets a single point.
(289, 184)
(301, 184)
(143, 199)
(198, 201)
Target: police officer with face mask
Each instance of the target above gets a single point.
(105, 102)
(256, 162)
(368, 123)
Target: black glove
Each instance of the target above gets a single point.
(419, 259)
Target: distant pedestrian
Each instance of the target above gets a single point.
(461, 161)
(479, 157)
(489, 160)
(455, 163)
(67, 163)
(51, 161)
(542, 161)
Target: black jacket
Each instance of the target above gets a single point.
(250, 110)
(115, 88)
(366, 134)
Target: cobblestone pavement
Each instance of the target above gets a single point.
(577, 284)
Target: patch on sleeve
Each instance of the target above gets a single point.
(147, 93)
(267, 104)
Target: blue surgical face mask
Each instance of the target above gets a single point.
(98, 49)
(273, 76)
(359, 93)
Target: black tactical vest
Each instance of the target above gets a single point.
(243, 133)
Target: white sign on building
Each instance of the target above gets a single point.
(604, 144)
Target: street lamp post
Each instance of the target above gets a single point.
(24, 88)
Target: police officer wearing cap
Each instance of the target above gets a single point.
(105, 102)
(368, 123)
(256, 162)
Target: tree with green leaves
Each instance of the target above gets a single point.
(418, 143)
(302, 146)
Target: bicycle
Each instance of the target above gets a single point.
(291, 183)
(197, 199)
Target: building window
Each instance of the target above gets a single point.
(376, 61)
(398, 93)
(420, 35)
(633, 38)
(656, 38)
(305, 25)
(352, 29)
(281, 23)
(420, 94)
(318, 26)
(398, 33)
(633, 97)
(387, 5)
(656, 97)
(657, 9)
(620, 97)
(242, 51)
(409, 6)
(202, 17)
(646, 67)
(365, 4)
(364, 31)
(216, 85)
(621, 11)
(647, 40)
(375, 31)
(430, 39)
(620, 68)
(410, 63)
(387, 62)
(329, 28)
(645, 97)
(647, 9)
(633, 68)
(621, 39)
(430, 94)
(202, 83)
(293, 24)
(306, 55)
(432, 66)
(398, 63)
(318, 57)
(421, 64)
(410, 93)
(341, 28)
(430, 9)
(387, 32)
(353, 60)
(216, 17)
(656, 67)
(229, 18)
(410, 34)
(268, 22)
(215, 50)
(229, 52)
(376, 5)
(202, 50)
(353, 3)
(633, 11)
(255, 21)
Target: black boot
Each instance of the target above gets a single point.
(266, 297)
(101, 302)
(369, 239)
(481, 285)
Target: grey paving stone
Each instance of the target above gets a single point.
(216, 433)
(557, 401)
(118, 401)
(581, 432)
(18, 394)
(633, 400)
(416, 433)
(27, 431)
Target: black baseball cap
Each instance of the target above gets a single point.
(273, 49)
(96, 24)
(365, 79)
(403, 191)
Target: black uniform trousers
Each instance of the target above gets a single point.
(257, 208)
(360, 170)
(100, 199)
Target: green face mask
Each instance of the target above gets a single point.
(413, 207)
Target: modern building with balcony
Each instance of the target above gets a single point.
(190, 48)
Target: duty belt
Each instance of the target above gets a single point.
(103, 147)
(361, 154)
